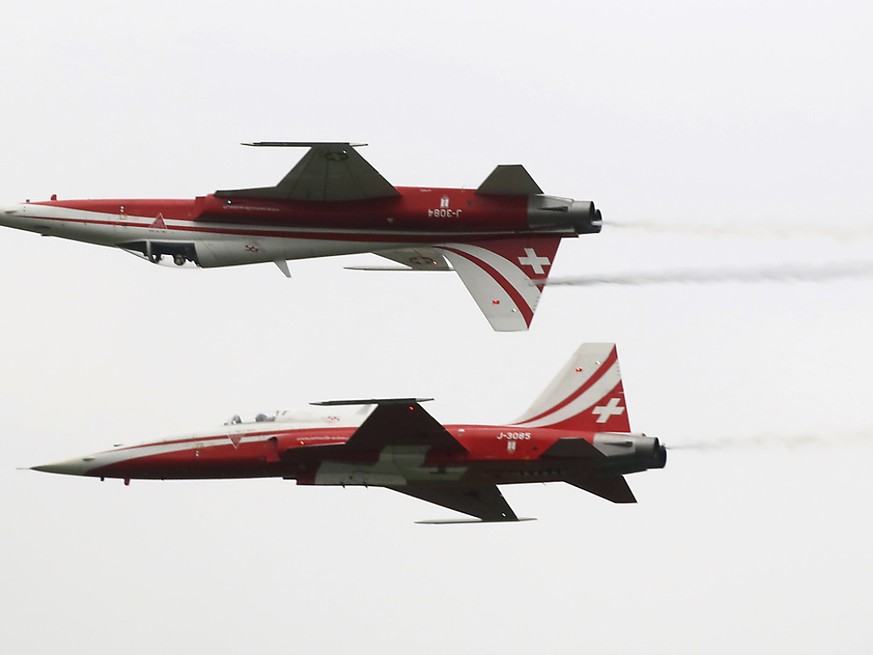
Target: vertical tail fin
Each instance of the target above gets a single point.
(587, 394)
(505, 276)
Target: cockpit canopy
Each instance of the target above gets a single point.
(326, 416)
(236, 419)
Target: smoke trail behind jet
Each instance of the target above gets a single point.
(785, 273)
(824, 438)
(845, 233)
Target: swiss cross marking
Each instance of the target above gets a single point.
(534, 261)
(605, 412)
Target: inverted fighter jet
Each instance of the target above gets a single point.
(577, 432)
(500, 238)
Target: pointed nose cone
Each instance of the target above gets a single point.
(76, 466)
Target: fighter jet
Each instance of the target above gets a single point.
(500, 238)
(577, 432)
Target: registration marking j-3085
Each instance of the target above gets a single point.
(514, 436)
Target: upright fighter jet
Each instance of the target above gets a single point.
(500, 238)
(577, 432)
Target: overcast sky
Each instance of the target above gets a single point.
(740, 133)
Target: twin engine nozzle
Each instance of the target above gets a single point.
(553, 213)
(636, 451)
(585, 217)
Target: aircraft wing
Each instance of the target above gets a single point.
(404, 422)
(328, 172)
(401, 422)
(485, 502)
(505, 276)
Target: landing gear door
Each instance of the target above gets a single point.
(167, 253)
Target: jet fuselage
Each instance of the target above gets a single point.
(211, 231)
(577, 431)
(316, 455)
(501, 238)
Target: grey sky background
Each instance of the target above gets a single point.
(739, 133)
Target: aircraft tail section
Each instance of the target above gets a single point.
(587, 394)
(505, 276)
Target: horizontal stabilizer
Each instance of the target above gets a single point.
(509, 180)
(610, 487)
(572, 448)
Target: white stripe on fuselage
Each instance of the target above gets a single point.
(163, 448)
(247, 434)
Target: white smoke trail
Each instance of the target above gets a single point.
(785, 273)
(843, 233)
(824, 438)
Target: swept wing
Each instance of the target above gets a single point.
(485, 502)
(327, 172)
(404, 422)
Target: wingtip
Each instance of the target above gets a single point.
(301, 144)
(473, 521)
(371, 401)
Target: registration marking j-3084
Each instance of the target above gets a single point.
(444, 211)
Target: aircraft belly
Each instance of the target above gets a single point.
(103, 235)
(217, 244)
(228, 250)
(396, 466)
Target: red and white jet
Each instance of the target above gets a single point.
(577, 432)
(500, 238)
